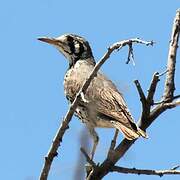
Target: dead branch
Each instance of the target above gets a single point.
(145, 171)
(152, 89)
(147, 118)
(141, 93)
(66, 120)
(169, 87)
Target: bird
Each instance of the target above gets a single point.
(102, 104)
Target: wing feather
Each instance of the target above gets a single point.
(108, 101)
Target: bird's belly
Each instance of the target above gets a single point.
(75, 78)
(92, 119)
(103, 123)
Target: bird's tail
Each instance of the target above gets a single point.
(130, 133)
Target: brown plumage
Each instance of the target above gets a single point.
(103, 105)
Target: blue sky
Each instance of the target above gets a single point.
(31, 75)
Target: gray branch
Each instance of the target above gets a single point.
(169, 87)
(144, 171)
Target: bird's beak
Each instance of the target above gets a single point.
(48, 40)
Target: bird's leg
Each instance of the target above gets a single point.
(95, 140)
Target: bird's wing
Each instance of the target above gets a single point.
(109, 102)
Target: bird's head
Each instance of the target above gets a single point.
(73, 47)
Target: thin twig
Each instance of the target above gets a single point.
(145, 105)
(141, 93)
(172, 104)
(144, 171)
(175, 167)
(176, 97)
(130, 55)
(163, 73)
(160, 102)
(149, 100)
(166, 101)
(152, 88)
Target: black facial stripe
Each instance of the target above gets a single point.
(71, 44)
(77, 49)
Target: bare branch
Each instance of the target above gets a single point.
(149, 101)
(175, 167)
(176, 97)
(141, 93)
(172, 104)
(145, 171)
(58, 139)
(130, 55)
(152, 88)
(144, 102)
(169, 87)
